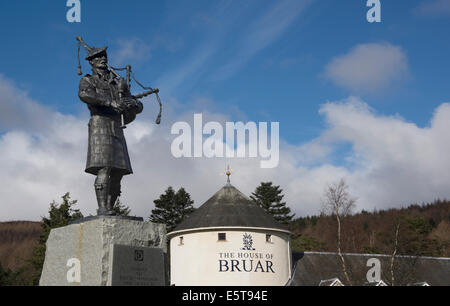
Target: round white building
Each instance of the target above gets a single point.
(230, 241)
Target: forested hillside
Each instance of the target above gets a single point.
(422, 230)
(17, 240)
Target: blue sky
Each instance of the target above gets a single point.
(252, 60)
(216, 49)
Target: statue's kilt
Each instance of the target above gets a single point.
(107, 146)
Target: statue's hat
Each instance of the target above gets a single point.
(92, 52)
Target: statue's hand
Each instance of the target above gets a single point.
(129, 102)
(118, 107)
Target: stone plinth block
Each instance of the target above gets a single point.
(83, 253)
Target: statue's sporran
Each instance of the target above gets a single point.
(112, 107)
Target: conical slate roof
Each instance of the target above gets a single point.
(229, 208)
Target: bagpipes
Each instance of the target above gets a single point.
(124, 89)
(124, 85)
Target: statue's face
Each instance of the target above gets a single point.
(100, 62)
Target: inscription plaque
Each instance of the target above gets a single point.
(137, 266)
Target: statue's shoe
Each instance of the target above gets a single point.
(103, 211)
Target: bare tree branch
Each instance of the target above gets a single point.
(394, 253)
(339, 203)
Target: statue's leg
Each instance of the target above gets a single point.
(102, 187)
(114, 190)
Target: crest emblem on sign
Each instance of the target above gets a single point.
(138, 255)
(248, 242)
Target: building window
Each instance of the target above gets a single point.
(268, 238)
(181, 241)
(222, 237)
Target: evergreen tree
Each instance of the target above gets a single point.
(172, 208)
(121, 209)
(5, 276)
(269, 197)
(59, 215)
(13, 278)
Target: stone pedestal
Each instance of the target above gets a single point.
(105, 251)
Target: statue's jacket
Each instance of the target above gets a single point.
(107, 146)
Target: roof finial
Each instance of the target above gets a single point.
(228, 173)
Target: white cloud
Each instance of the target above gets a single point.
(368, 68)
(130, 50)
(433, 8)
(18, 111)
(391, 163)
(397, 162)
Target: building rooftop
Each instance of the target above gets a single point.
(229, 208)
(311, 268)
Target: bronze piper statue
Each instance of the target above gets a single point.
(112, 107)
